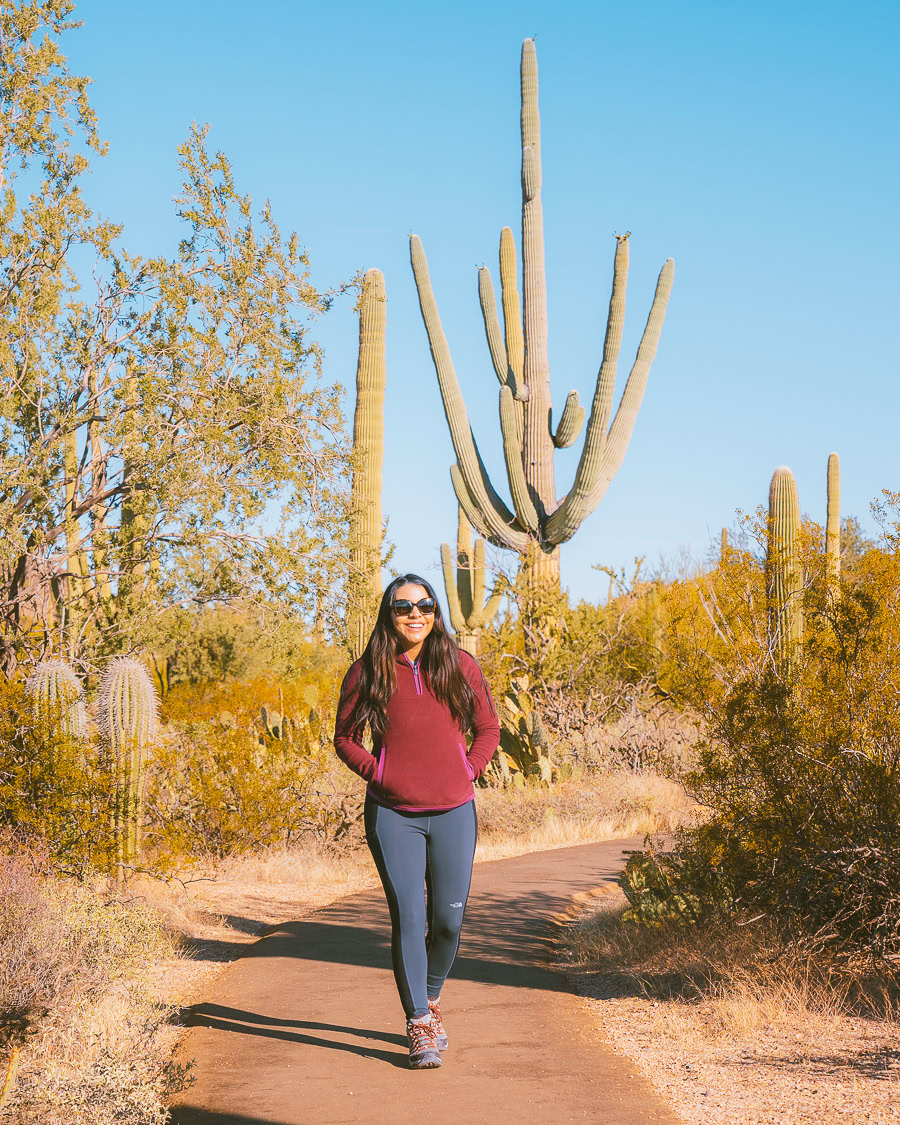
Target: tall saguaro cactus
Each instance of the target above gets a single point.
(365, 585)
(833, 527)
(539, 522)
(128, 723)
(465, 586)
(784, 577)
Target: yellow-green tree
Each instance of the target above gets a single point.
(168, 439)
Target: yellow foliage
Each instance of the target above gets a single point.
(223, 783)
(799, 764)
(54, 789)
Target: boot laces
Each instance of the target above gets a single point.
(434, 1006)
(421, 1035)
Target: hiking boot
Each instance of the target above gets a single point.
(423, 1049)
(440, 1035)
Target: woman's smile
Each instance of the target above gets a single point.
(414, 627)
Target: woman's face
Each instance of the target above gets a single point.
(414, 628)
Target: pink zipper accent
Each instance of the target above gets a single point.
(466, 762)
(415, 672)
(379, 769)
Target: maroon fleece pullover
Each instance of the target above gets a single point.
(421, 764)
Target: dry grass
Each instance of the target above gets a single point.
(579, 811)
(733, 1029)
(76, 993)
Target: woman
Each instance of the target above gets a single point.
(420, 697)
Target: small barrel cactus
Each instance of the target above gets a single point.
(56, 691)
(128, 715)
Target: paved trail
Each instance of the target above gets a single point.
(307, 1028)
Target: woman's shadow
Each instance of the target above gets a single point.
(252, 1023)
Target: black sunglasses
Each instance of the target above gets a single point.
(403, 608)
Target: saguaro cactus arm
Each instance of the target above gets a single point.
(492, 604)
(457, 617)
(463, 560)
(500, 355)
(633, 395)
(501, 526)
(470, 612)
(477, 572)
(492, 325)
(570, 422)
(512, 312)
(590, 487)
(466, 502)
(574, 507)
(483, 611)
(512, 451)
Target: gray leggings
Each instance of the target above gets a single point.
(425, 864)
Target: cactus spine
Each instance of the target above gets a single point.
(539, 522)
(56, 691)
(128, 723)
(784, 579)
(365, 585)
(469, 612)
(833, 528)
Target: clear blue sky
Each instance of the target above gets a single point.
(757, 145)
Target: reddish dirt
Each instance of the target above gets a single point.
(307, 1029)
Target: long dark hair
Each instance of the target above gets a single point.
(439, 661)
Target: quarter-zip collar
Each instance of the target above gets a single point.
(414, 664)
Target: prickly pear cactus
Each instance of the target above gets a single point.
(56, 693)
(272, 721)
(523, 739)
(128, 715)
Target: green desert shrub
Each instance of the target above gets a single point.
(799, 766)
